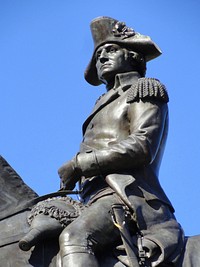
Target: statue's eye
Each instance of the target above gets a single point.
(98, 54)
(112, 49)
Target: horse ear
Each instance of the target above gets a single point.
(14, 193)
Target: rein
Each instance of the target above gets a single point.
(34, 201)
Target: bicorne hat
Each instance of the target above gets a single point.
(108, 30)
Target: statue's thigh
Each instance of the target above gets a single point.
(95, 223)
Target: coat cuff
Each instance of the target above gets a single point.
(88, 164)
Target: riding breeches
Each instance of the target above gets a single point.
(87, 234)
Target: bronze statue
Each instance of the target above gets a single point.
(123, 208)
(120, 155)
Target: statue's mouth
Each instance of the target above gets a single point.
(105, 65)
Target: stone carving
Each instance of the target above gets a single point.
(124, 218)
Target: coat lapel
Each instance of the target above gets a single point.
(104, 100)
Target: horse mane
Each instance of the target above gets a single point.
(14, 193)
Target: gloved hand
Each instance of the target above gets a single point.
(69, 174)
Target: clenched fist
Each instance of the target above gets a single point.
(69, 174)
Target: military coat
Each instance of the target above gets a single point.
(123, 142)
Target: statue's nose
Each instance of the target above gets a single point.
(103, 57)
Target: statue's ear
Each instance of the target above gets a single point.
(132, 55)
(135, 57)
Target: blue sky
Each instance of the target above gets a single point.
(45, 46)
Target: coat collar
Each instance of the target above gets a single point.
(123, 81)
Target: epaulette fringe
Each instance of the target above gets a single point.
(147, 88)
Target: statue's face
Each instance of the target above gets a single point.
(111, 59)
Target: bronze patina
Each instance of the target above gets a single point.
(122, 148)
(124, 217)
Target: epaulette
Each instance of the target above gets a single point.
(147, 88)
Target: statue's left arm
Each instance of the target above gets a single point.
(148, 120)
